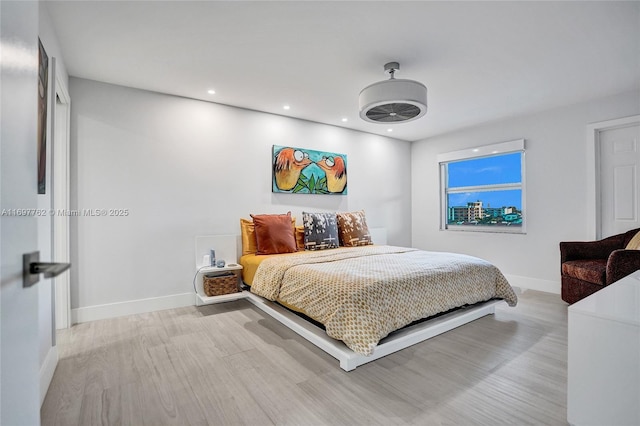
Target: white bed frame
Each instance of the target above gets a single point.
(400, 339)
(349, 360)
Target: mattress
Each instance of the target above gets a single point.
(250, 262)
(361, 294)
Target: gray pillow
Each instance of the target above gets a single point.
(320, 231)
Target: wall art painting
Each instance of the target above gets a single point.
(43, 83)
(306, 171)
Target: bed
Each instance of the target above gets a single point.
(366, 296)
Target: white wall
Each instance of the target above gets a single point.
(19, 387)
(556, 171)
(184, 168)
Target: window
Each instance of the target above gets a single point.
(483, 188)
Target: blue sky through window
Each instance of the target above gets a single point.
(494, 170)
(486, 171)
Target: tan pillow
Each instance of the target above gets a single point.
(634, 244)
(274, 233)
(353, 230)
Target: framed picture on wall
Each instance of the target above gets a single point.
(307, 171)
(43, 83)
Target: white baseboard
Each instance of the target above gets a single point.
(47, 369)
(131, 307)
(528, 283)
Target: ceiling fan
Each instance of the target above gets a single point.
(393, 100)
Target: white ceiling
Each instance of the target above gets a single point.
(480, 61)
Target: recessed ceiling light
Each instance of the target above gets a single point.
(286, 107)
(476, 150)
(345, 119)
(389, 130)
(211, 92)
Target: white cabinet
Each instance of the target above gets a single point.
(604, 356)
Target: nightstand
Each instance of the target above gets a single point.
(226, 247)
(203, 299)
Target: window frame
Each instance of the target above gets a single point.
(502, 148)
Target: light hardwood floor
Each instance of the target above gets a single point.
(230, 364)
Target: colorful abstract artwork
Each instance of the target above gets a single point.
(43, 80)
(306, 171)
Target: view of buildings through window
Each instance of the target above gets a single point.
(485, 191)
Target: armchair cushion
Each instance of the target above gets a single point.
(591, 270)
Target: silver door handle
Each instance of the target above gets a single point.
(32, 268)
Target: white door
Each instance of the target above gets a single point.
(619, 179)
(19, 342)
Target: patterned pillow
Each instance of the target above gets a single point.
(353, 229)
(320, 231)
(274, 233)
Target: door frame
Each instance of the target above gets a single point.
(594, 202)
(60, 199)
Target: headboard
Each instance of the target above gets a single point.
(229, 247)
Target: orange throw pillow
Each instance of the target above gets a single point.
(300, 237)
(274, 233)
(248, 232)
